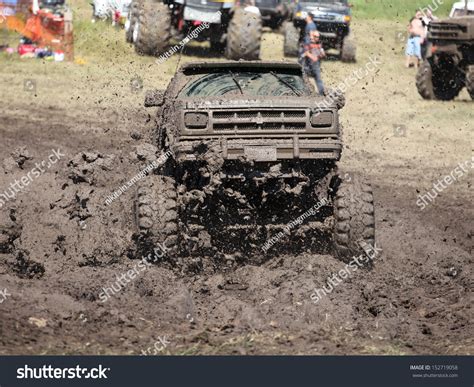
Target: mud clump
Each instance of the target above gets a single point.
(10, 231)
(17, 159)
(146, 153)
(25, 267)
(86, 167)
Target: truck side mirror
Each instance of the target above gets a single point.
(154, 98)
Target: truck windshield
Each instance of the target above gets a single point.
(252, 83)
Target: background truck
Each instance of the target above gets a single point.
(449, 66)
(332, 18)
(274, 12)
(233, 30)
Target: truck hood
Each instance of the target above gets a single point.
(324, 8)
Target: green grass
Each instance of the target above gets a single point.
(398, 9)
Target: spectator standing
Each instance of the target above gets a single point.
(416, 37)
(312, 55)
(308, 29)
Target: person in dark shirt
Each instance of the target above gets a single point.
(313, 53)
(309, 28)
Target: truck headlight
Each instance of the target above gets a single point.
(301, 15)
(196, 120)
(322, 119)
(344, 18)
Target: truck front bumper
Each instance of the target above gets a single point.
(265, 150)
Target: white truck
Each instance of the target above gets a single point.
(459, 9)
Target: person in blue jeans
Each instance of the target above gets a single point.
(312, 55)
(416, 37)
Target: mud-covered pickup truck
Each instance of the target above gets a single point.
(254, 148)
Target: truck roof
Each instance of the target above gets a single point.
(460, 5)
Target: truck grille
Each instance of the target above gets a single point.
(446, 31)
(245, 120)
(255, 127)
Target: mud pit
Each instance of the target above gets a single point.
(60, 244)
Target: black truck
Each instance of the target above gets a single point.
(274, 12)
(332, 18)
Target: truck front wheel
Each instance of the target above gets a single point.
(244, 35)
(354, 229)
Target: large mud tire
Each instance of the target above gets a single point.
(292, 40)
(438, 83)
(470, 81)
(424, 81)
(156, 214)
(354, 229)
(244, 36)
(133, 15)
(154, 23)
(348, 49)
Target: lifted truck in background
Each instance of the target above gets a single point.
(235, 30)
(449, 66)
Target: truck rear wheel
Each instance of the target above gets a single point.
(156, 215)
(434, 82)
(153, 28)
(354, 229)
(244, 36)
(424, 81)
(292, 40)
(348, 49)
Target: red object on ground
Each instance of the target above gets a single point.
(26, 49)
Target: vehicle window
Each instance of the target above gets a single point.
(246, 83)
(462, 12)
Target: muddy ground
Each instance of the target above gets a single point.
(60, 243)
